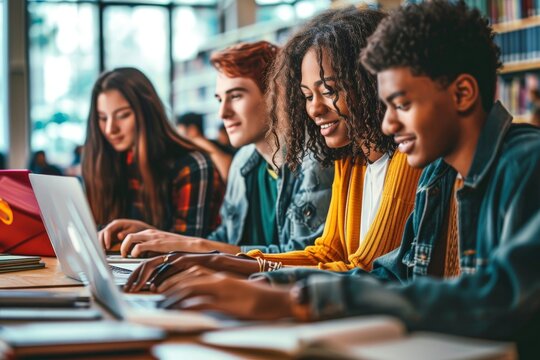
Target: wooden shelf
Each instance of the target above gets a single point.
(518, 66)
(517, 24)
(522, 118)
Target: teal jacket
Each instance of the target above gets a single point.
(498, 293)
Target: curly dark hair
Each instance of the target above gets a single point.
(340, 34)
(438, 39)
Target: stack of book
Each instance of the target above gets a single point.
(519, 45)
(19, 262)
(506, 10)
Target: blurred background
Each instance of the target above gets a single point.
(52, 52)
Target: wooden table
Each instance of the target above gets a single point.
(175, 347)
(49, 277)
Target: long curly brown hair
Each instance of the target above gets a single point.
(340, 34)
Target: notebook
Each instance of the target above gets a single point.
(363, 337)
(21, 229)
(45, 306)
(85, 338)
(42, 299)
(66, 211)
(10, 263)
(16, 305)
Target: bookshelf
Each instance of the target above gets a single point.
(525, 118)
(520, 66)
(517, 24)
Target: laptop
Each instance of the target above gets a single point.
(21, 229)
(66, 211)
(52, 193)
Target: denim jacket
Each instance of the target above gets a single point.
(301, 208)
(498, 293)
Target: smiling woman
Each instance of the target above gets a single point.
(320, 94)
(137, 170)
(328, 102)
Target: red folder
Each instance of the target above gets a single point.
(21, 229)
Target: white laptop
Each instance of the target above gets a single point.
(53, 193)
(66, 213)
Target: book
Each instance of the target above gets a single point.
(368, 337)
(9, 263)
(432, 346)
(12, 268)
(70, 338)
(48, 314)
(8, 260)
(43, 299)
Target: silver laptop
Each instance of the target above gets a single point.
(53, 193)
(66, 212)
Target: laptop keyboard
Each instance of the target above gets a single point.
(143, 303)
(119, 271)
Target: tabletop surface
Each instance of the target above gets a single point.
(176, 346)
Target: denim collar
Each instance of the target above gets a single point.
(251, 163)
(438, 170)
(489, 144)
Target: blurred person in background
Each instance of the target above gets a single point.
(191, 126)
(40, 165)
(223, 139)
(75, 168)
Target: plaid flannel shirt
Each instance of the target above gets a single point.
(196, 193)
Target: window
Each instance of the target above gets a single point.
(64, 63)
(71, 42)
(138, 36)
(288, 10)
(191, 28)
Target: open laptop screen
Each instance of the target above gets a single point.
(68, 217)
(63, 203)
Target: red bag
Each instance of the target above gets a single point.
(21, 229)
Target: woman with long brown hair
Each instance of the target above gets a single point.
(138, 172)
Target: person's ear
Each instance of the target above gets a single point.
(466, 92)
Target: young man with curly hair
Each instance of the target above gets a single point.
(468, 261)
